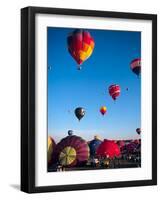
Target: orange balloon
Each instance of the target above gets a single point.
(103, 110)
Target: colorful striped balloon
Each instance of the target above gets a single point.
(103, 110)
(114, 91)
(80, 45)
(71, 151)
(136, 66)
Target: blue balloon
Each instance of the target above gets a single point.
(70, 132)
(93, 145)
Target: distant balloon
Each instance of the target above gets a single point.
(136, 66)
(131, 147)
(70, 132)
(79, 112)
(136, 141)
(49, 67)
(97, 137)
(80, 45)
(103, 110)
(121, 143)
(114, 91)
(138, 130)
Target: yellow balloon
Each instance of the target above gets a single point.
(67, 156)
(51, 146)
(97, 137)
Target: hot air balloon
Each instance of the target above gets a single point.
(136, 141)
(51, 146)
(108, 149)
(131, 147)
(138, 130)
(136, 66)
(103, 110)
(121, 143)
(93, 145)
(79, 112)
(70, 132)
(97, 137)
(80, 45)
(71, 151)
(49, 67)
(114, 91)
(138, 147)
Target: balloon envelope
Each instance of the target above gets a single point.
(80, 45)
(71, 150)
(70, 132)
(136, 66)
(121, 143)
(138, 130)
(131, 147)
(51, 146)
(114, 91)
(108, 149)
(79, 112)
(103, 110)
(93, 145)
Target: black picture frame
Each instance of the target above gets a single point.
(28, 98)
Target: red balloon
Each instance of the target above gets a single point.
(80, 45)
(121, 143)
(136, 141)
(114, 91)
(108, 149)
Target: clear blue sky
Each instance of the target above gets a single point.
(69, 88)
